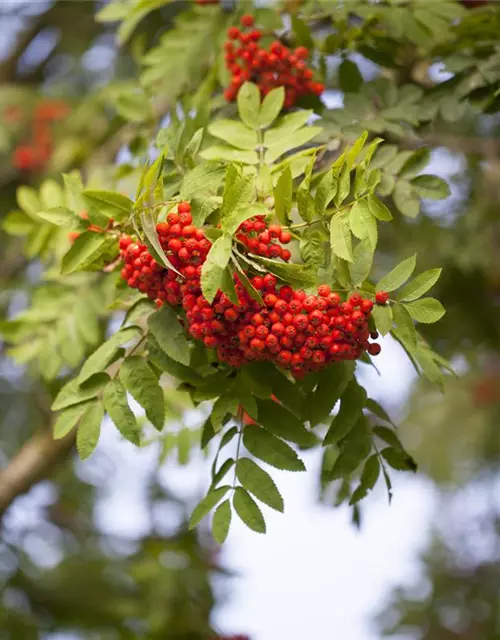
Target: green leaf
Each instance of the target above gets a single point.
(116, 404)
(87, 248)
(18, 223)
(332, 383)
(350, 78)
(382, 315)
(398, 459)
(226, 466)
(221, 522)
(340, 236)
(237, 191)
(213, 267)
(369, 477)
(428, 186)
(282, 423)
(415, 163)
(283, 196)
(404, 323)
(230, 154)
(360, 269)
(234, 133)
(259, 483)
(111, 204)
(248, 101)
(104, 354)
(378, 410)
(73, 393)
(426, 310)
(405, 199)
(148, 223)
(270, 449)
(388, 436)
(169, 334)
(325, 192)
(378, 209)
(248, 510)
(143, 386)
(351, 409)
(419, 285)
(204, 178)
(363, 224)
(222, 406)
(27, 199)
(353, 450)
(207, 504)
(68, 418)
(62, 217)
(312, 248)
(302, 32)
(271, 106)
(89, 430)
(305, 202)
(398, 276)
(286, 143)
(295, 274)
(344, 186)
(134, 106)
(356, 149)
(286, 126)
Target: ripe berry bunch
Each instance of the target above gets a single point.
(263, 239)
(294, 330)
(278, 67)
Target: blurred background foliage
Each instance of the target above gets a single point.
(61, 570)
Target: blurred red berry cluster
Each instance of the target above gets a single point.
(278, 67)
(34, 154)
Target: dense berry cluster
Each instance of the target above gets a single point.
(278, 67)
(263, 239)
(297, 331)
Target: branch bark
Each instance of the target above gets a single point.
(37, 459)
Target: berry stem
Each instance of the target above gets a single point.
(239, 419)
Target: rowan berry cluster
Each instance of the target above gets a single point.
(34, 154)
(278, 67)
(296, 331)
(263, 239)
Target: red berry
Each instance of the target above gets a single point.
(173, 217)
(366, 306)
(233, 33)
(324, 290)
(183, 207)
(247, 20)
(381, 297)
(374, 349)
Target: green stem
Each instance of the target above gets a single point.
(238, 445)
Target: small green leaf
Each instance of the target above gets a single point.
(428, 186)
(426, 310)
(248, 101)
(213, 268)
(270, 449)
(350, 78)
(207, 504)
(234, 133)
(73, 393)
(248, 510)
(325, 192)
(221, 522)
(148, 222)
(378, 410)
(344, 186)
(271, 107)
(89, 430)
(332, 383)
(403, 321)
(388, 436)
(340, 236)
(237, 191)
(283, 196)
(27, 199)
(398, 276)
(222, 406)
(356, 149)
(363, 224)
(378, 209)
(62, 217)
(286, 126)
(111, 204)
(169, 334)
(143, 386)
(68, 418)
(351, 409)
(104, 354)
(398, 459)
(360, 269)
(369, 477)
(419, 285)
(204, 178)
(382, 315)
(259, 483)
(406, 200)
(283, 423)
(87, 248)
(116, 404)
(312, 248)
(232, 220)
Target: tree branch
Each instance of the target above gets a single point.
(37, 459)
